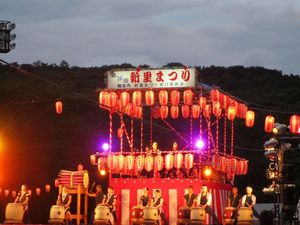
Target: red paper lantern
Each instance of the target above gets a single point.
(215, 95)
(149, 97)
(231, 113)
(103, 98)
(159, 163)
(137, 98)
(245, 167)
(188, 97)
(185, 111)
(13, 194)
(223, 164)
(120, 132)
(38, 191)
(174, 112)
(202, 102)
(112, 162)
(216, 162)
(155, 112)
(124, 98)
(216, 109)
(188, 161)
(128, 109)
(129, 162)
(137, 111)
(112, 99)
(56, 183)
(269, 123)
(6, 192)
(224, 101)
(195, 111)
(169, 161)
(59, 107)
(231, 165)
(174, 97)
(164, 112)
(47, 188)
(295, 124)
(163, 97)
(250, 118)
(139, 163)
(178, 160)
(148, 163)
(207, 111)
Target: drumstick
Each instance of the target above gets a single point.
(92, 186)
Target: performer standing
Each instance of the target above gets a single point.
(145, 199)
(158, 202)
(99, 199)
(23, 198)
(174, 172)
(249, 200)
(234, 198)
(111, 200)
(155, 151)
(190, 197)
(204, 200)
(64, 199)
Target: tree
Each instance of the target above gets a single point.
(64, 64)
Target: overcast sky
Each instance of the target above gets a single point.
(197, 32)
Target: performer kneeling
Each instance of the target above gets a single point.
(249, 200)
(64, 199)
(158, 202)
(23, 198)
(110, 201)
(204, 200)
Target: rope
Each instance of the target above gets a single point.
(191, 130)
(151, 127)
(232, 138)
(217, 135)
(225, 134)
(142, 134)
(175, 131)
(110, 131)
(131, 133)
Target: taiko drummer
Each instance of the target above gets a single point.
(23, 198)
(64, 199)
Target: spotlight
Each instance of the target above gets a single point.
(105, 146)
(280, 129)
(207, 171)
(102, 172)
(200, 144)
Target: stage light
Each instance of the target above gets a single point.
(271, 144)
(207, 171)
(105, 146)
(280, 129)
(200, 144)
(6, 37)
(102, 172)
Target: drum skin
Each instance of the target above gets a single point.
(197, 213)
(150, 213)
(14, 212)
(137, 213)
(102, 213)
(184, 213)
(57, 212)
(245, 215)
(229, 214)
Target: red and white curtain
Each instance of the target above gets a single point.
(128, 192)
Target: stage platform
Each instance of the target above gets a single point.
(129, 190)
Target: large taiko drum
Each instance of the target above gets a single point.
(102, 213)
(57, 213)
(229, 215)
(245, 215)
(73, 178)
(184, 213)
(136, 213)
(150, 213)
(178, 160)
(14, 213)
(197, 213)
